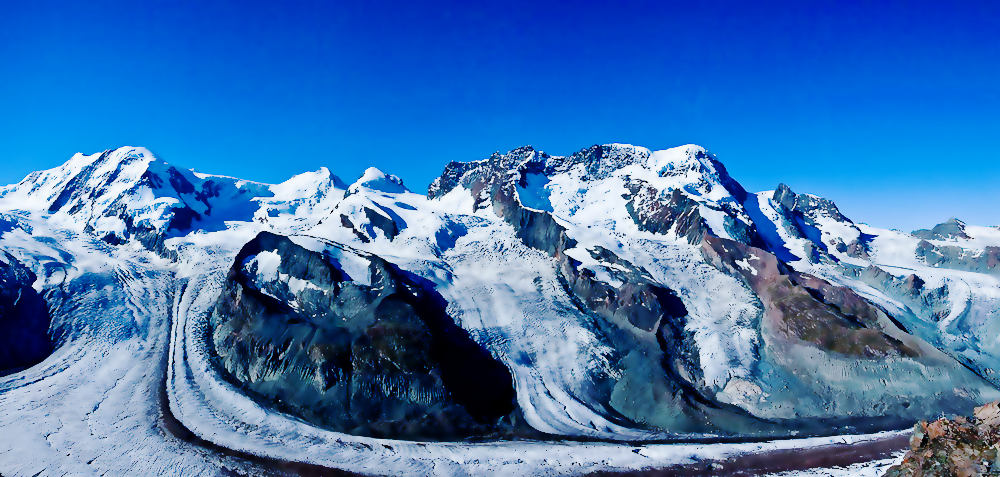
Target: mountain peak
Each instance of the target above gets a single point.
(373, 178)
(949, 229)
(127, 192)
(808, 204)
(53, 189)
(598, 161)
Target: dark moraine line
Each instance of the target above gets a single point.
(833, 455)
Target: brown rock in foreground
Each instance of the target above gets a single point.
(960, 446)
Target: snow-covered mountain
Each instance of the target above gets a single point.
(526, 302)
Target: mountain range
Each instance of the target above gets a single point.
(530, 313)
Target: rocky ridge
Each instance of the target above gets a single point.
(961, 446)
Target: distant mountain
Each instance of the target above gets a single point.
(617, 294)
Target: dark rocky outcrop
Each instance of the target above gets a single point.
(376, 357)
(986, 260)
(801, 213)
(805, 204)
(493, 182)
(24, 318)
(679, 213)
(537, 229)
(497, 169)
(947, 230)
(806, 308)
(390, 226)
(960, 446)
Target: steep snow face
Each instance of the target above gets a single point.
(587, 197)
(125, 193)
(595, 208)
(612, 210)
(300, 202)
(805, 226)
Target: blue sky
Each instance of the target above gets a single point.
(890, 109)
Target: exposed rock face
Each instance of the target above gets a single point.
(656, 360)
(949, 229)
(808, 205)
(24, 318)
(955, 252)
(986, 260)
(807, 216)
(537, 229)
(679, 213)
(805, 308)
(371, 355)
(963, 447)
(911, 290)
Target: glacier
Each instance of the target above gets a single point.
(650, 312)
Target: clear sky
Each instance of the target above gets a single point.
(890, 109)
